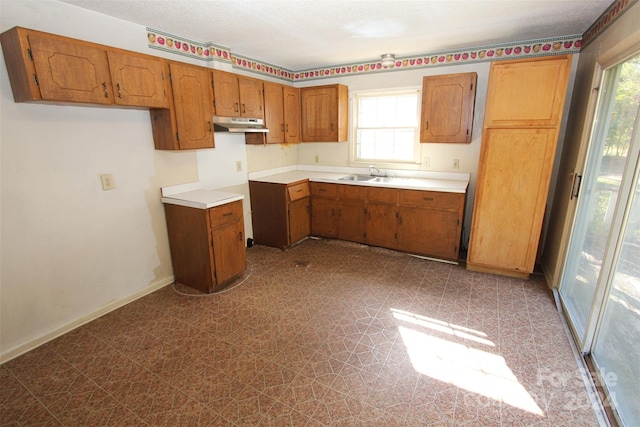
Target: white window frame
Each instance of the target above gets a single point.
(354, 130)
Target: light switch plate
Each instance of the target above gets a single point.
(107, 182)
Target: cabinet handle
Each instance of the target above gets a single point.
(428, 199)
(209, 125)
(240, 235)
(426, 125)
(104, 87)
(244, 108)
(323, 189)
(332, 127)
(236, 107)
(118, 87)
(286, 128)
(228, 214)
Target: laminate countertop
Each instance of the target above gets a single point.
(194, 195)
(430, 181)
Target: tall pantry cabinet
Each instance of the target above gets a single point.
(525, 100)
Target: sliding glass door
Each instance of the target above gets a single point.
(600, 287)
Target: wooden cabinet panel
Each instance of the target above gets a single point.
(138, 80)
(324, 113)
(298, 191)
(431, 199)
(274, 112)
(430, 232)
(71, 71)
(352, 220)
(527, 93)
(382, 224)
(227, 95)
(222, 215)
(193, 105)
(229, 251)
(447, 108)
(251, 98)
(513, 182)
(299, 219)
(382, 195)
(323, 189)
(291, 114)
(323, 217)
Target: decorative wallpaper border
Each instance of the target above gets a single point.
(523, 49)
(607, 18)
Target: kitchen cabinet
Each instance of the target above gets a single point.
(282, 113)
(280, 213)
(430, 223)
(237, 96)
(447, 108)
(291, 114)
(525, 100)
(382, 217)
(51, 68)
(324, 221)
(274, 112)
(324, 113)
(188, 125)
(351, 208)
(207, 245)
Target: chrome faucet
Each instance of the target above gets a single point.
(377, 171)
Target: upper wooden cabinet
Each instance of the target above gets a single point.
(188, 125)
(291, 114)
(237, 96)
(282, 113)
(138, 80)
(46, 67)
(447, 108)
(529, 95)
(324, 113)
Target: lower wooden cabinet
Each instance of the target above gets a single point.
(280, 213)
(207, 245)
(382, 217)
(324, 199)
(351, 212)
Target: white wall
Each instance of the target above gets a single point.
(68, 249)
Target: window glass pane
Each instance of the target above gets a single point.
(387, 127)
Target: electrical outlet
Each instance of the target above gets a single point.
(317, 158)
(427, 162)
(239, 166)
(456, 163)
(107, 182)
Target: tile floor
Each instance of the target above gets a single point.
(327, 333)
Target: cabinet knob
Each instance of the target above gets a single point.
(118, 87)
(244, 108)
(104, 88)
(236, 107)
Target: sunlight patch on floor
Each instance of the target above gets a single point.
(476, 370)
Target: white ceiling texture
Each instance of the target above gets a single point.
(304, 34)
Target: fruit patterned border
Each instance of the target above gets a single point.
(523, 49)
(607, 18)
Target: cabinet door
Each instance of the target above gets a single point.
(291, 114)
(351, 220)
(251, 98)
(430, 232)
(229, 251)
(382, 225)
(299, 219)
(318, 114)
(193, 105)
(513, 180)
(323, 217)
(447, 108)
(527, 93)
(138, 80)
(71, 71)
(274, 112)
(225, 86)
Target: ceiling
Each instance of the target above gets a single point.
(304, 34)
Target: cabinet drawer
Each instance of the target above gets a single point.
(324, 189)
(298, 191)
(356, 192)
(225, 214)
(382, 195)
(431, 199)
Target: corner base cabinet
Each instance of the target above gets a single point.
(207, 245)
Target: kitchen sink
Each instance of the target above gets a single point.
(358, 178)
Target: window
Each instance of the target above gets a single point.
(386, 127)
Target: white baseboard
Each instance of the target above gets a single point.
(12, 353)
